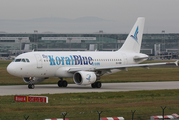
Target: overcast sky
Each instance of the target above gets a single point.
(160, 14)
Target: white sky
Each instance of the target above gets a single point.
(157, 12)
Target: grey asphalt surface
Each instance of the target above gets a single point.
(73, 88)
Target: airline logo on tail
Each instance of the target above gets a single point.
(135, 34)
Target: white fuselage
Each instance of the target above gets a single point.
(57, 64)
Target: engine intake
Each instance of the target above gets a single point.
(84, 77)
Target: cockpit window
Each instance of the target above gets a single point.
(17, 60)
(27, 60)
(21, 60)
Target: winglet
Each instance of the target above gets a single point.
(176, 63)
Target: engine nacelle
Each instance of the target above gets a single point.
(33, 80)
(84, 77)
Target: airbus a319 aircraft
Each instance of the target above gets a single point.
(84, 67)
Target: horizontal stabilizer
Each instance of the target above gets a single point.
(140, 58)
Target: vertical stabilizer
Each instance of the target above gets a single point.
(134, 39)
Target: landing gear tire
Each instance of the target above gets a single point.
(62, 83)
(93, 85)
(65, 83)
(31, 86)
(96, 85)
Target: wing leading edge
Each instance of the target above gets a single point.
(121, 67)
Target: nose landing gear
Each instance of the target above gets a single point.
(31, 85)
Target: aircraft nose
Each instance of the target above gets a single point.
(11, 69)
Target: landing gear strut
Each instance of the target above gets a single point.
(62, 83)
(31, 86)
(96, 85)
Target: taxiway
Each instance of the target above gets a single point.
(73, 88)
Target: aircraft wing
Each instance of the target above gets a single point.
(122, 67)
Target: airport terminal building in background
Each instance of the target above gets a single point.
(13, 44)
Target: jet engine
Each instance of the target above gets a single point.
(33, 80)
(84, 77)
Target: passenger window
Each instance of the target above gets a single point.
(23, 60)
(17, 60)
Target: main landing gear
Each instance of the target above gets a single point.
(62, 83)
(96, 85)
(31, 86)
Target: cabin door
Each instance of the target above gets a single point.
(39, 60)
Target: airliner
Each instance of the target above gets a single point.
(85, 67)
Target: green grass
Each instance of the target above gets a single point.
(83, 106)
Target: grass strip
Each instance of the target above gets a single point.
(80, 106)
